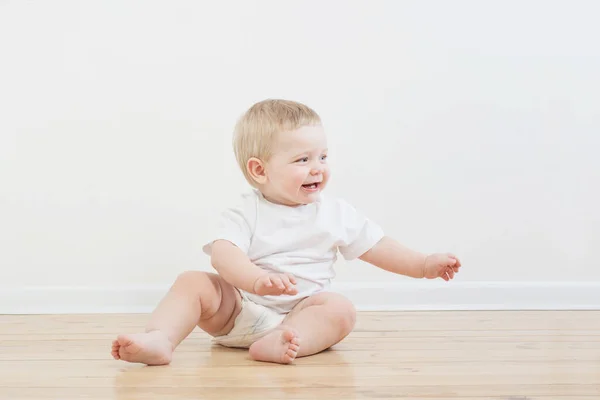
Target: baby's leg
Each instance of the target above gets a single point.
(314, 325)
(196, 298)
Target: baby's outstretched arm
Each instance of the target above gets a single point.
(392, 256)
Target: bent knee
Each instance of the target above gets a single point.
(197, 282)
(343, 312)
(219, 300)
(346, 315)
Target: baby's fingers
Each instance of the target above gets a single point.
(457, 263)
(277, 282)
(286, 281)
(291, 278)
(289, 286)
(266, 281)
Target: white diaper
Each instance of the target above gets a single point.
(252, 323)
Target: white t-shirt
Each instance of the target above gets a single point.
(302, 240)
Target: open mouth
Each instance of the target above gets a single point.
(311, 187)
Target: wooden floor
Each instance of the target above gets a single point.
(412, 355)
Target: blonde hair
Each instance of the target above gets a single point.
(257, 129)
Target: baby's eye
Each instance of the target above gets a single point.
(324, 157)
(304, 159)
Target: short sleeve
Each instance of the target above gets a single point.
(234, 226)
(360, 232)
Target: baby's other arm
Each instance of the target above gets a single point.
(235, 267)
(392, 256)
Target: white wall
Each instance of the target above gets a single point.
(465, 126)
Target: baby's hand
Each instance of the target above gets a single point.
(441, 266)
(275, 285)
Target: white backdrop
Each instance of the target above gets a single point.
(462, 126)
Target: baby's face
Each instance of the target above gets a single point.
(298, 171)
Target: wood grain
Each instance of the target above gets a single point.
(412, 355)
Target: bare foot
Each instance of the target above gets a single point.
(151, 348)
(280, 346)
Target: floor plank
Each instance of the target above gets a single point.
(527, 392)
(434, 355)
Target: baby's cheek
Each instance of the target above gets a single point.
(299, 177)
(295, 185)
(326, 174)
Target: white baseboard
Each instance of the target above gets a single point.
(370, 296)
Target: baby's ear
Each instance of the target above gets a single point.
(256, 169)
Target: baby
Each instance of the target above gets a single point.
(274, 253)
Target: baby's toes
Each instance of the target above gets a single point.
(287, 359)
(289, 356)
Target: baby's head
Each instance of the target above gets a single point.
(281, 147)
